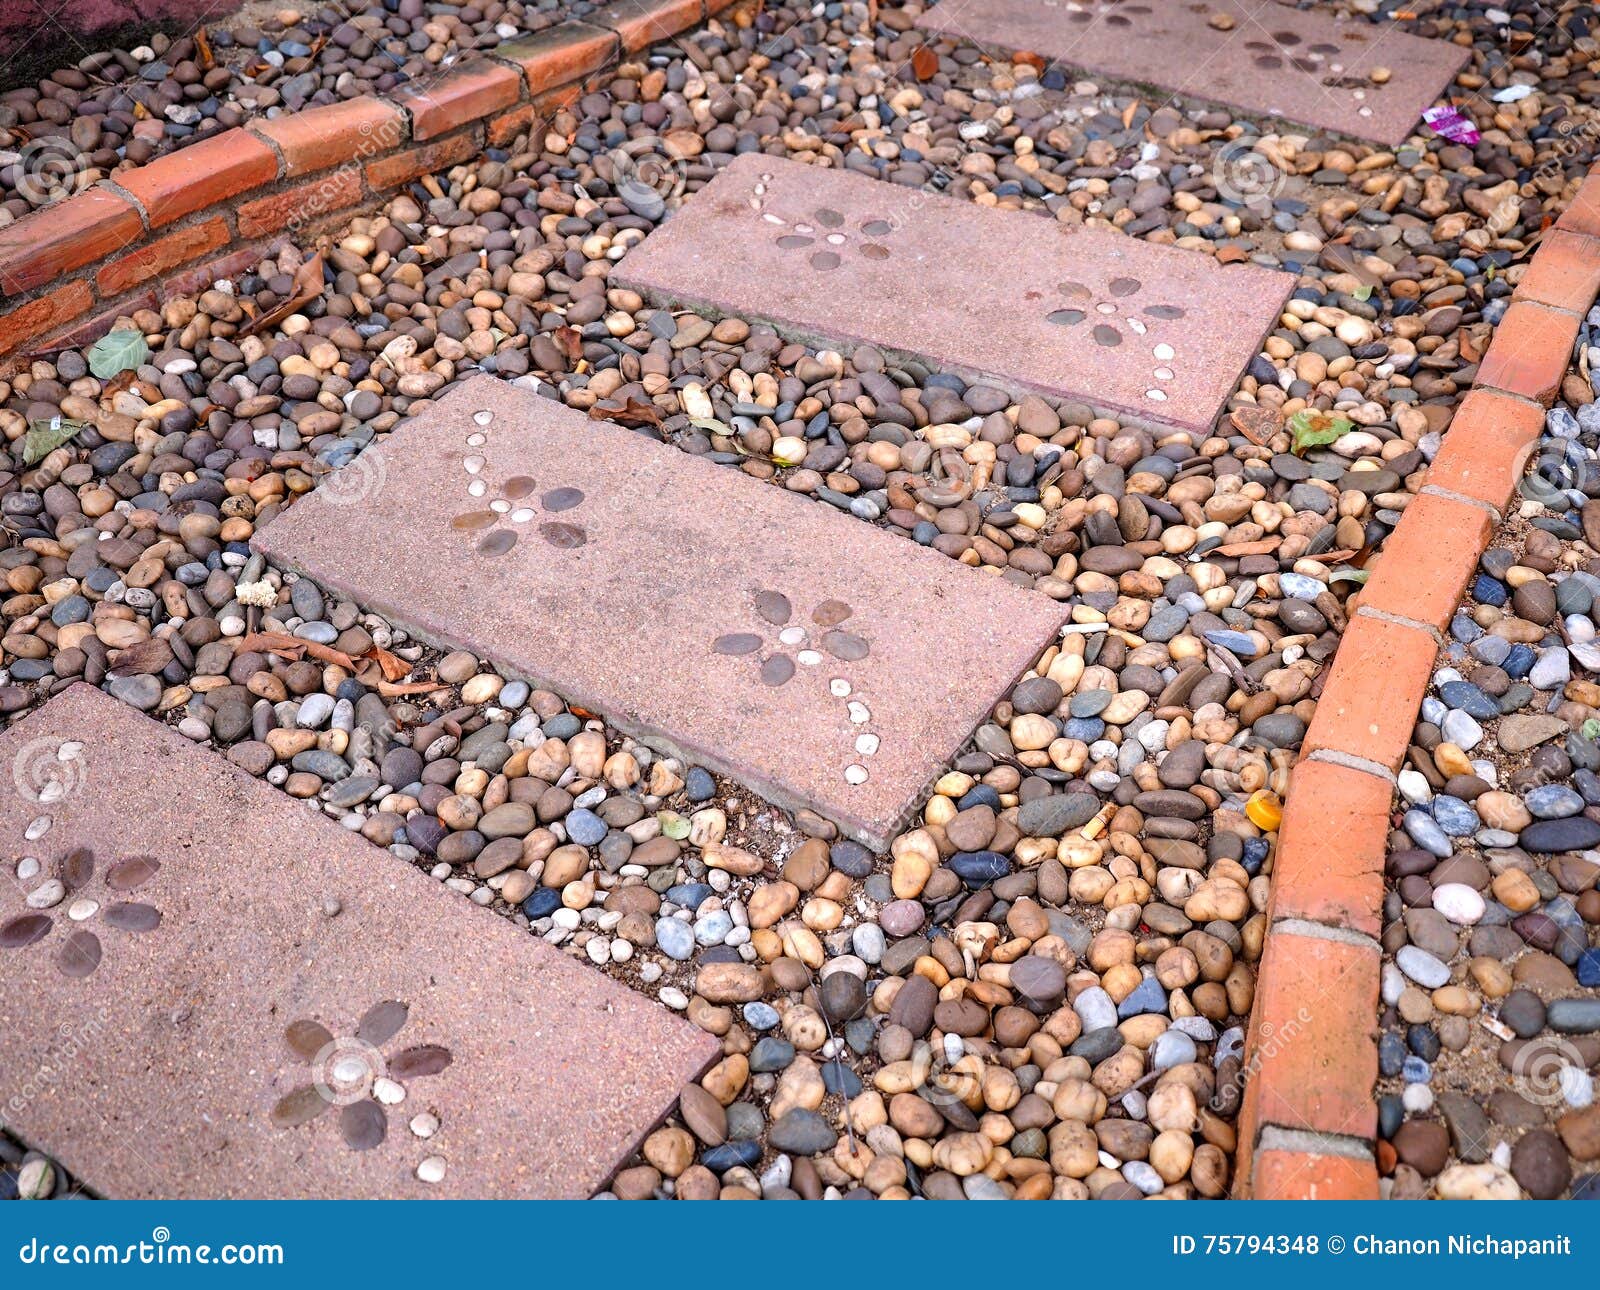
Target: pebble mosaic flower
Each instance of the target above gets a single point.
(1115, 318)
(774, 609)
(513, 507)
(823, 234)
(353, 1074)
(79, 954)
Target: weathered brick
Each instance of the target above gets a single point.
(1583, 214)
(335, 134)
(1564, 272)
(35, 318)
(1298, 1175)
(466, 93)
(1429, 558)
(1486, 447)
(1374, 689)
(300, 204)
(1311, 1056)
(642, 23)
(160, 256)
(503, 129)
(561, 55)
(205, 173)
(41, 247)
(403, 167)
(1328, 866)
(1529, 352)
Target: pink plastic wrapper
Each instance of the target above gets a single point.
(1450, 124)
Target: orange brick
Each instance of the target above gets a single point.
(466, 93)
(1374, 689)
(1529, 352)
(1564, 272)
(1583, 215)
(203, 174)
(1311, 1057)
(642, 23)
(561, 55)
(503, 129)
(1295, 1175)
(300, 204)
(191, 282)
(1486, 447)
(1427, 561)
(403, 167)
(1328, 867)
(158, 257)
(333, 135)
(32, 320)
(41, 247)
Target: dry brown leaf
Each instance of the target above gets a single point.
(1255, 423)
(308, 286)
(202, 43)
(924, 63)
(632, 413)
(569, 342)
(292, 647)
(396, 689)
(392, 665)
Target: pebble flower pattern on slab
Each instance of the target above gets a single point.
(352, 1073)
(774, 609)
(80, 953)
(1085, 304)
(823, 234)
(512, 503)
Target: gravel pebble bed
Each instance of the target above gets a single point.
(1040, 991)
(1491, 1023)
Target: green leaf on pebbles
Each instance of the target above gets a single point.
(673, 825)
(1317, 429)
(46, 435)
(116, 352)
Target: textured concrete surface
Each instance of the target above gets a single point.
(754, 631)
(157, 1073)
(1308, 68)
(1145, 332)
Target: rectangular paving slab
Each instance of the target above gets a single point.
(819, 660)
(1146, 332)
(238, 998)
(1273, 61)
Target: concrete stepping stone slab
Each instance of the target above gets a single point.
(1144, 332)
(190, 1018)
(1273, 61)
(816, 659)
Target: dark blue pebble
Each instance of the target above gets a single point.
(1469, 698)
(1391, 1053)
(1255, 854)
(839, 1078)
(981, 795)
(1489, 591)
(1391, 1115)
(720, 1159)
(1088, 729)
(1519, 662)
(1589, 968)
(850, 858)
(699, 785)
(689, 895)
(979, 868)
(1586, 1188)
(544, 902)
(771, 1054)
(1423, 1041)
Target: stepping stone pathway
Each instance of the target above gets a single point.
(1256, 55)
(1142, 332)
(821, 661)
(208, 990)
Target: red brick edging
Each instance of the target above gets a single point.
(143, 236)
(1308, 1124)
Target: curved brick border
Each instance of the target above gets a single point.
(1309, 1119)
(156, 231)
